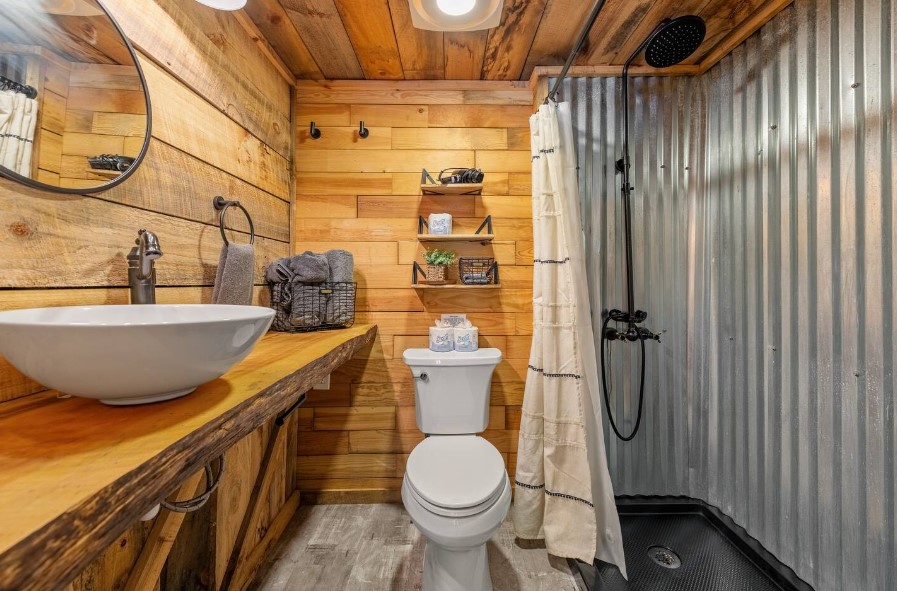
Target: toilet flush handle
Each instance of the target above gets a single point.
(422, 377)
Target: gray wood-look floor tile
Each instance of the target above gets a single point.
(377, 548)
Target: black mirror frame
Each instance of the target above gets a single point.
(6, 173)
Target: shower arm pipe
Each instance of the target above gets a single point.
(627, 187)
(577, 47)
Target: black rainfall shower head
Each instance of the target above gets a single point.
(674, 40)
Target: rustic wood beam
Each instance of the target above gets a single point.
(244, 574)
(744, 30)
(126, 460)
(146, 571)
(256, 35)
(259, 490)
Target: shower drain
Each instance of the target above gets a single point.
(664, 557)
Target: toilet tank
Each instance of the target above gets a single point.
(451, 390)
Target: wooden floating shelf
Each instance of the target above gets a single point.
(452, 189)
(108, 174)
(456, 237)
(457, 286)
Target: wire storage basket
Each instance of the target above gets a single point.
(306, 307)
(476, 270)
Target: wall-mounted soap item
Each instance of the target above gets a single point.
(313, 131)
(363, 131)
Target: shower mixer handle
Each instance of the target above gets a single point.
(631, 334)
(636, 317)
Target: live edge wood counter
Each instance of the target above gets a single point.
(74, 473)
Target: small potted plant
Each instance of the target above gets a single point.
(437, 261)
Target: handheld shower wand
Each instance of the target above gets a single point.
(671, 42)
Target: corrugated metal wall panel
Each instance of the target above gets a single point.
(771, 262)
(667, 149)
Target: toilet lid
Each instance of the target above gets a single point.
(456, 471)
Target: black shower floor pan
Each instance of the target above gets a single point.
(683, 544)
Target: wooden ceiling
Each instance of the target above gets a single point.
(375, 40)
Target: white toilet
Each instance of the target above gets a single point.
(456, 488)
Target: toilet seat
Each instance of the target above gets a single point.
(456, 475)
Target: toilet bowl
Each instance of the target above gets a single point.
(457, 493)
(456, 489)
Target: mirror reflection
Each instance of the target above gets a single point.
(73, 111)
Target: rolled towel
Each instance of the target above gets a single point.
(340, 310)
(474, 279)
(342, 265)
(279, 271)
(235, 275)
(309, 267)
(308, 305)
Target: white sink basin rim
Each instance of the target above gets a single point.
(125, 355)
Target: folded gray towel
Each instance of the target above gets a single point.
(279, 271)
(309, 267)
(342, 265)
(235, 275)
(340, 308)
(308, 305)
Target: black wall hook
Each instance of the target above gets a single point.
(313, 131)
(363, 131)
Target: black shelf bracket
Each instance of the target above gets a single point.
(487, 223)
(415, 271)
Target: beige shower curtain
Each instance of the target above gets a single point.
(563, 489)
(18, 118)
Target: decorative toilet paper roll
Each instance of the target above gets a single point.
(441, 339)
(466, 339)
(440, 223)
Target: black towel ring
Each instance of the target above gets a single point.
(221, 204)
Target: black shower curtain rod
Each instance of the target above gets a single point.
(580, 41)
(8, 84)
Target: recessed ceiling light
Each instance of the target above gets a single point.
(456, 7)
(456, 15)
(224, 4)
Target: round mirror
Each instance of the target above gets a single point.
(74, 108)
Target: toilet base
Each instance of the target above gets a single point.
(456, 570)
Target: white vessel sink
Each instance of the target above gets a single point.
(126, 355)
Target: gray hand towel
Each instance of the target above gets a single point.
(309, 267)
(342, 265)
(340, 309)
(279, 271)
(308, 305)
(235, 275)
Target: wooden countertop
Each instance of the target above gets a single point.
(75, 473)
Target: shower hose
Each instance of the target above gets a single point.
(641, 387)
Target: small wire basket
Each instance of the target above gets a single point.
(307, 307)
(110, 162)
(476, 270)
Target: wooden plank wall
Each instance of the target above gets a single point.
(221, 126)
(52, 86)
(363, 195)
(105, 114)
(208, 140)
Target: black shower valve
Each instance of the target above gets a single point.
(631, 334)
(647, 335)
(636, 317)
